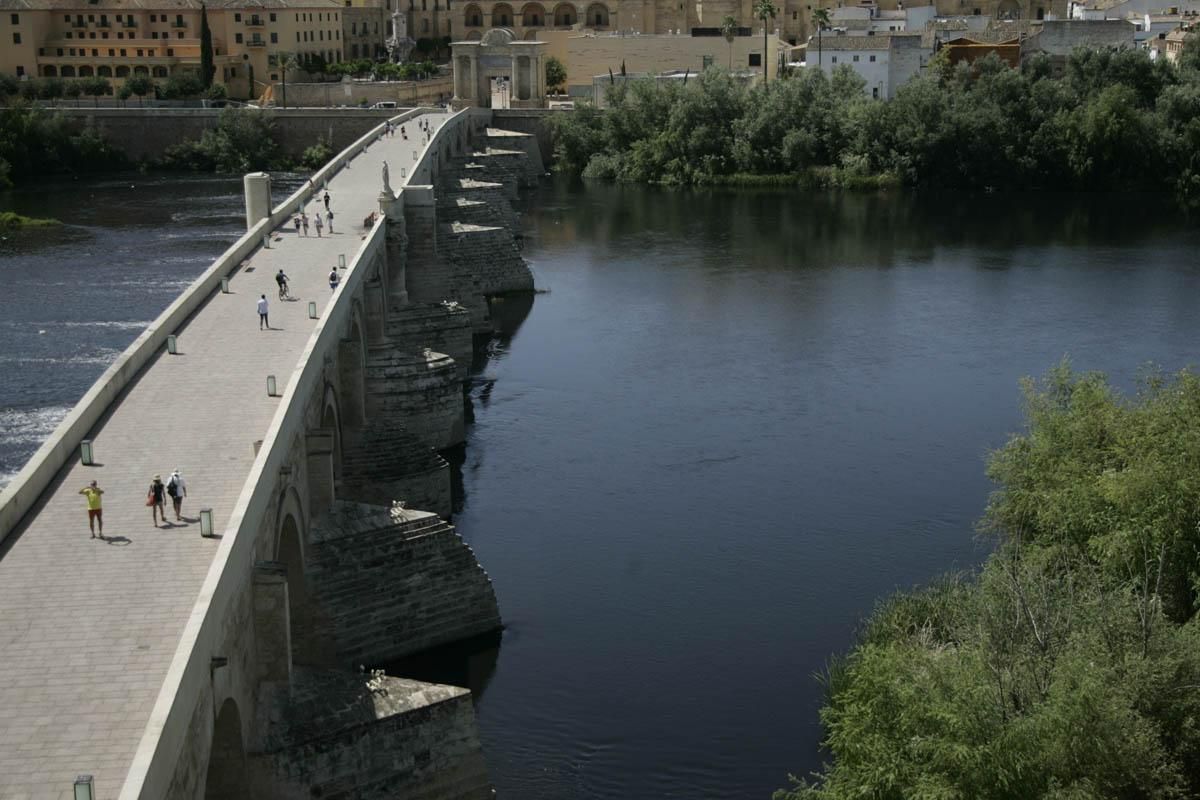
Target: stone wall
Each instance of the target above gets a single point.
(352, 93)
(147, 132)
(535, 123)
(394, 585)
(423, 744)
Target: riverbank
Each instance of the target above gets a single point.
(12, 221)
(1116, 121)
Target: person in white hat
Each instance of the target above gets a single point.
(177, 488)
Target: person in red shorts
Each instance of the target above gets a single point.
(92, 492)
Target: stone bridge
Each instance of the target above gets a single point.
(166, 663)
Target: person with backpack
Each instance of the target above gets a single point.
(334, 279)
(177, 489)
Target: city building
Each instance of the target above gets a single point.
(117, 39)
(885, 61)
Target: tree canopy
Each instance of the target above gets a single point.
(1069, 667)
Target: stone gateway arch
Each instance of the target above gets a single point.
(519, 66)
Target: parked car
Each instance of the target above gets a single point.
(385, 104)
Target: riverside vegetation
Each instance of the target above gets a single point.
(1114, 120)
(39, 141)
(1069, 667)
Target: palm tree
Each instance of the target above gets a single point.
(820, 19)
(764, 9)
(283, 62)
(729, 28)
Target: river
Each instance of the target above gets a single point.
(732, 423)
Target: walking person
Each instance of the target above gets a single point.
(92, 492)
(297, 223)
(177, 489)
(262, 313)
(333, 279)
(317, 222)
(329, 216)
(156, 499)
(304, 222)
(403, 133)
(326, 199)
(281, 280)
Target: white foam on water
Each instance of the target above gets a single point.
(29, 426)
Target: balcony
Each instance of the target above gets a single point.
(255, 22)
(256, 43)
(179, 24)
(78, 24)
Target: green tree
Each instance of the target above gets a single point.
(139, 84)
(556, 74)
(9, 86)
(207, 68)
(284, 62)
(820, 18)
(96, 87)
(764, 10)
(729, 29)
(182, 85)
(51, 89)
(73, 89)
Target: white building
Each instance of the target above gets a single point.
(867, 17)
(885, 61)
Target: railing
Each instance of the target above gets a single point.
(188, 676)
(179, 23)
(255, 22)
(256, 43)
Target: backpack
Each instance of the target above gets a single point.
(172, 486)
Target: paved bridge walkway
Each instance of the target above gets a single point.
(88, 628)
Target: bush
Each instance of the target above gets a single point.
(242, 141)
(36, 141)
(317, 156)
(182, 86)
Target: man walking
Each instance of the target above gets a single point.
(318, 223)
(329, 216)
(263, 322)
(326, 199)
(92, 492)
(177, 489)
(334, 279)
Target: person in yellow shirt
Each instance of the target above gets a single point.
(92, 492)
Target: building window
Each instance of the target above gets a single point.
(872, 59)
(424, 26)
(122, 52)
(237, 17)
(274, 37)
(975, 12)
(297, 36)
(16, 19)
(179, 35)
(20, 72)
(111, 52)
(321, 35)
(794, 15)
(91, 17)
(154, 18)
(875, 93)
(835, 59)
(139, 52)
(60, 51)
(92, 35)
(66, 17)
(95, 53)
(856, 59)
(71, 51)
(121, 35)
(68, 34)
(755, 60)
(272, 16)
(104, 35)
(153, 34)
(16, 38)
(170, 53)
(237, 37)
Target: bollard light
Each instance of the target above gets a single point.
(85, 453)
(171, 345)
(341, 260)
(312, 309)
(270, 386)
(84, 790)
(206, 523)
(224, 285)
(266, 241)
(414, 155)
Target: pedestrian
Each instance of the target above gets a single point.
(317, 222)
(92, 492)
(262, 313)
(296, 220)
(326, 199)
(403, 133)
(156, 499)
(329, 216)
(177, 489)
(333, 279)
(304, 222)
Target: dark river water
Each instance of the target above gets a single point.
(733, 423)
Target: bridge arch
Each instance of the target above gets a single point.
(565, 15)
(352, 372)
(290, 538)
(331, 419)
(226, 777)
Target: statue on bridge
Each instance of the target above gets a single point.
(387, 187)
